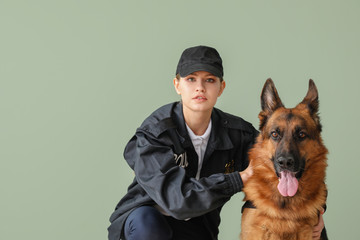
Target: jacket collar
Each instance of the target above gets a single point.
(219, 137)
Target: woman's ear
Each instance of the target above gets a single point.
(222, 87)
(176, 85)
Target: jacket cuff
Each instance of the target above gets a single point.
(235, 181)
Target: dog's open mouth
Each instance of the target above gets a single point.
(288, 183)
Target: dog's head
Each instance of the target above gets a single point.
(290, 134)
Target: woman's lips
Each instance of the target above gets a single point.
(200, 98)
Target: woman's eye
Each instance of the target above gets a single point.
(210, 80)
(190, 79)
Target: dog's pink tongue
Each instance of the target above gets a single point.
(288, 184)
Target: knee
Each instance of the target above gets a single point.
(147, 223)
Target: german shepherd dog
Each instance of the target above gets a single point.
(289, 161)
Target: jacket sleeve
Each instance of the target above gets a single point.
(167, 184)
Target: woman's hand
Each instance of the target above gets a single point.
(247, 173)
(319, 227)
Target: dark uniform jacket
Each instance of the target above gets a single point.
(165, 165)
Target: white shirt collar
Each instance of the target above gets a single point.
(205, 136)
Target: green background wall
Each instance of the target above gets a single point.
(78, 77)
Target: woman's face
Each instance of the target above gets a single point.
(199, 91)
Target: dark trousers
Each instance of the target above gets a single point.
(147, 223)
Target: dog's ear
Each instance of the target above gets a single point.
(270, 101)
(311, 101)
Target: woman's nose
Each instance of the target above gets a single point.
(200, 86)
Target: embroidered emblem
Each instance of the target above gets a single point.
(229, 167)
(181, 159)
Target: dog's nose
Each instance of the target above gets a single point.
(286, 162)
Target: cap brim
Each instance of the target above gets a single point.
(200, 67)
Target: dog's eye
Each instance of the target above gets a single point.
(274, 135)
(302, 135)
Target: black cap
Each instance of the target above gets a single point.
(200, 58)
